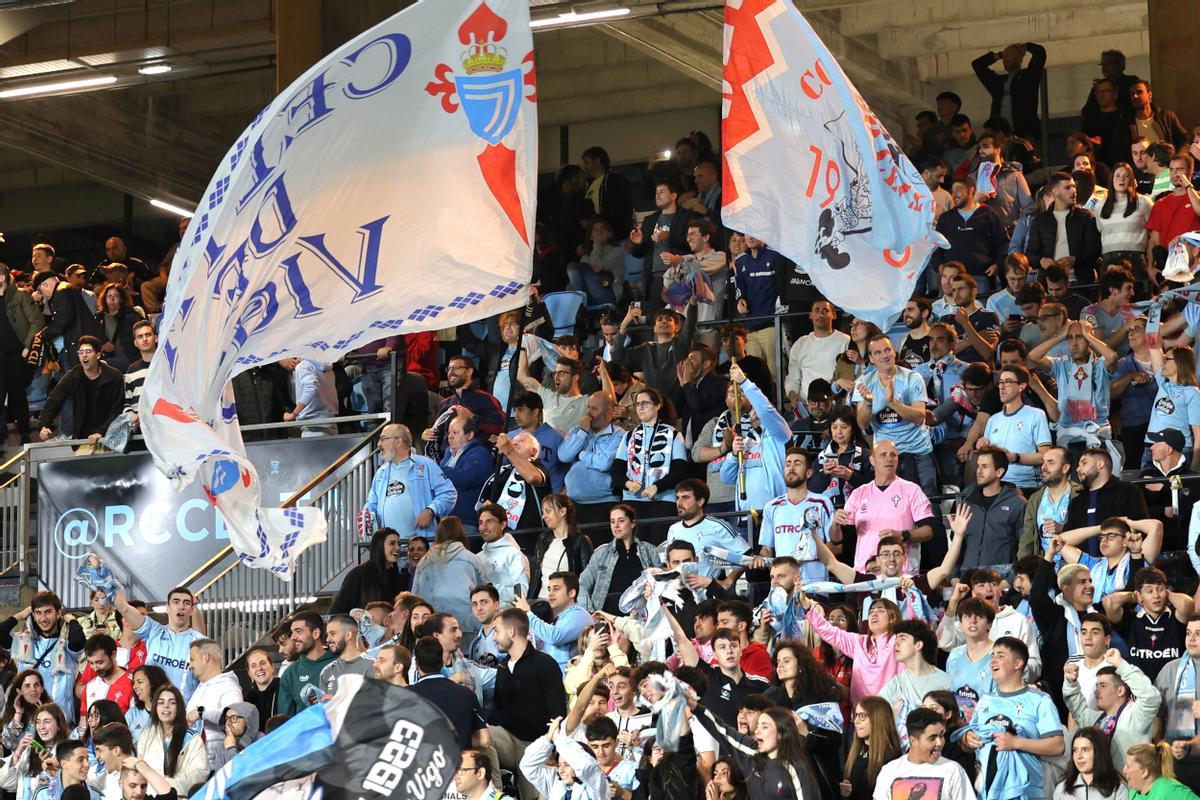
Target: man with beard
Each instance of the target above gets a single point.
(392, 664)
(504, 565)
(661, 233)
(794, 523)
(1046, 511)
(460, 375)
(815, 354)
(485, 607)
(342, 639)
(914, 350)
(1067, 234)
(447, 632)
(810, 431)
(1103, 495)
(701, 257)
(109, 682)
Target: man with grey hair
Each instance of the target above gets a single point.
(521, 482)
(217, 690)
(409, 492)
(343, 639)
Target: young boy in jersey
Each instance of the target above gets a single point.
(621, 773)
(168, 646)
(1155, 630)
(969, 665)
(923, 771)
(1014, 723)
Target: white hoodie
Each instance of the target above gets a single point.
(214, 696)
(505, 566)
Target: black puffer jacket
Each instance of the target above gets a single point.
(579, 552)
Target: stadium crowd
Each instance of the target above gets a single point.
(638, 551)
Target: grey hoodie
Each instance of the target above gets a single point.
(222, 755)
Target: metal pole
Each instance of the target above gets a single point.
(778, 363)
(1045, 124)
(395, 389)
(23, 510)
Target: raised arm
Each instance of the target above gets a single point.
(523, 376)
(134, 617)
(958, 525)
(683, 643)
(843, 572)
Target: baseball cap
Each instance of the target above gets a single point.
(1168, 436)
(819, 389)
(76, 269)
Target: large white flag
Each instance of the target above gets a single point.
(811, 171)
(389, 190)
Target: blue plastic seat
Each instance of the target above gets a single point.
(563, 308)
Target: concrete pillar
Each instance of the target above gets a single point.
(299, 40)
(1174, 42)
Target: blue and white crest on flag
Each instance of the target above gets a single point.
(318, 235)
(492, 102)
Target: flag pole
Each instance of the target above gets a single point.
(737, 421)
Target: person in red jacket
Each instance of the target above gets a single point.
(737, 616)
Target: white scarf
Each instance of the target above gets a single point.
(649, 461)
(1071, 616)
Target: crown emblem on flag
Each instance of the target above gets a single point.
(484, 58)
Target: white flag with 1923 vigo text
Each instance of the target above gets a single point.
(388, 190)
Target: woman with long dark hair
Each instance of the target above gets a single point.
(26, 694)
(100, 713)
(798, 681)
(727, 782)
(24, 772)
(1091, 774)
(780, 768)
(875, 743)
(1122, 221)
(560, 547)
(602, 583)
(945, 702)
(116, 316)
(843, 463)
(839, 665)
(147, 680)
(377, 578)
(851, 364)
(419, 610)
(169, 746)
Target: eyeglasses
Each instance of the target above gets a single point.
(643, 404)
(860, 716)
(85, 351)
(1107, 536)
(467, 769)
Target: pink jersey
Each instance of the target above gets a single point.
(898, 506)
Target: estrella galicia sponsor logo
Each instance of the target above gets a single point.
(75, 532)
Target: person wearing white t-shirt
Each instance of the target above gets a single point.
(814, 355)
(923, 772)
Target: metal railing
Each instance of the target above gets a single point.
(242, 605)
(14, 514)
